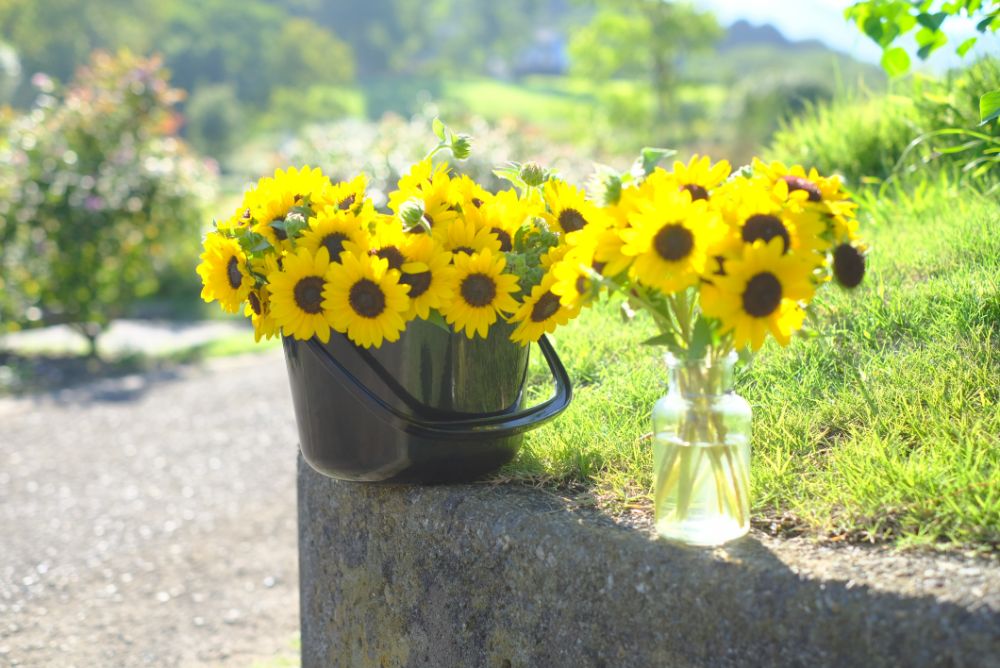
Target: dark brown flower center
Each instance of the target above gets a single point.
(255, 303)
(309, 294)
(347, 202)
(848, 265)
(464, 249)
(392, 255)
(334, 243)
(478, 290)
(697, 192)
(762, 295)
(476, 202)
(545, 307)
(506, 245)
(582, 284)
(246, 214)
(599, 267)
(367, 298)
(673, 242)
(765, 226)
(799, 183)
(571, 220)
(233, 273)
(419, 283)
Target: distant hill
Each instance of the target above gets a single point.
(755, 52)
(743, 33)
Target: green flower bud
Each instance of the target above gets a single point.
(412, 212)
(461, 146)
(533, 174)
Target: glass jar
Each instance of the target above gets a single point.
(701, 454)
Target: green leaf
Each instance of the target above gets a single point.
(438, 320)
(438, 127)
(664, 339)
(511, 173)
(929, 41)
(872, 26)
(932, 21)
(989, 107)
(964, 47)
(895, 62)
(650, 157)
(701, 338)
(984, 25)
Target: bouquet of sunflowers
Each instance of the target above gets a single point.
(719, 261)
(302, 256)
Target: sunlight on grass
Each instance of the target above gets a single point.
(884, 427)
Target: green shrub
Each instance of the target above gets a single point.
(96, 193)
(867, 137)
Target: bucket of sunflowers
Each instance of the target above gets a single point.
(406, 331)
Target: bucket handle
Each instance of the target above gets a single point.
(496, 425)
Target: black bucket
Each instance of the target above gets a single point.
(434, 406)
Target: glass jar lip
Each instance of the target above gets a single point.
(674, 362)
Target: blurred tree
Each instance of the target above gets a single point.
(97, 195)
(642, 39)
(55, 36)
(254, 46)
(214, 120)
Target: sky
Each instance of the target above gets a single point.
(824, 20)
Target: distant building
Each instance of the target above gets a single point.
(546, 55)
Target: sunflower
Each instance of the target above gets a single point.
(471, 193)
(366, 300)
(469, 235)
(274, 198)
(574, 283)
(240, 219)
(700, 177)
(760, 293)
(435, 189)
(336, 230)
(429, 274)
(755, 212)
(502, 214)
(821, 194)
(569, 211)
(481, 290)
(344, 196)
(388, 242)
(541, 312)
(258, 309)
(224, 272)
(297, 294)
(670, 239)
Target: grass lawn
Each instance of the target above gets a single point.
(883, 427)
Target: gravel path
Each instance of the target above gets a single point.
(150, 520)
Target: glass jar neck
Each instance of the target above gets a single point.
(704, 377)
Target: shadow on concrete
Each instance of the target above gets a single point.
(509, 576)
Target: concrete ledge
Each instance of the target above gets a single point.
(477, 575)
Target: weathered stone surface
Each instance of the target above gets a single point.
(479, 575)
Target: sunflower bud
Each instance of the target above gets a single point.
(412, 212)
(848, 265)
(461, 146)
(533, 174)
(606, 184)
